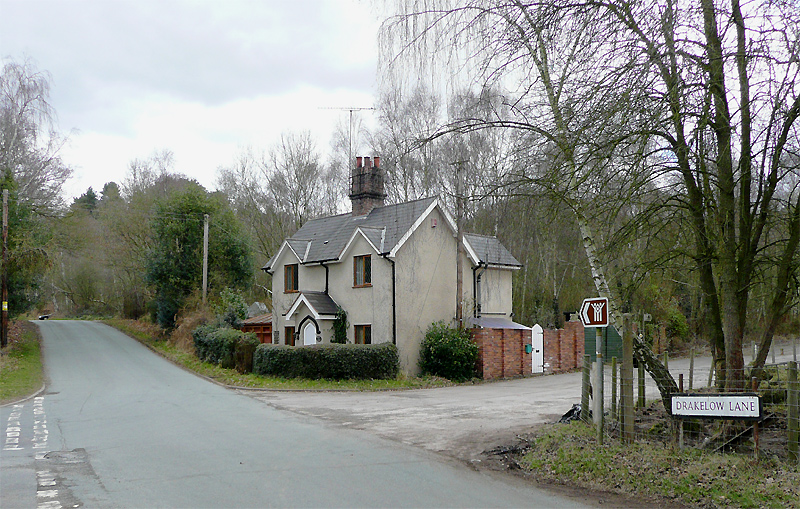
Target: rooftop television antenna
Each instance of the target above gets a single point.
(351, 109)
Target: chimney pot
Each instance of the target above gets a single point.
(368, 162)
(358, 162)
(377, 161)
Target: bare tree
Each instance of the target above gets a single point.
(295, 176)
(29, 141)
(699, 100)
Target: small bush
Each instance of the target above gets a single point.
(448, 352)
(226, 347)
(223, 346)
(200, 337)
(333, 362)
(245, 349)
(232, 308)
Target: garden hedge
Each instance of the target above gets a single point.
(226, 347)
(330, 361)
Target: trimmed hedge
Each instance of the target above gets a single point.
(332, 361)
(226, 347)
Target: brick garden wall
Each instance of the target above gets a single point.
(563, 348)
(501, 352)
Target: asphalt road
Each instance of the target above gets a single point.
(118, 426)
(465, 421)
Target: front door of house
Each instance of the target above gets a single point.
(309, 334)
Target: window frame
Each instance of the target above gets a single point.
(362, 333)
(291, 268)
(365, 271)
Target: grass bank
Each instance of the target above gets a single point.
(21, 371)
(568, 454)
(151, 336)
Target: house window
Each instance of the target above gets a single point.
(363, 334)
(290, 278)
(362, 271)
(289, 336)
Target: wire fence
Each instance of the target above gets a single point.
(708, 424)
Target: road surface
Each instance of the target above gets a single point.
(464, 421)
(118, 426)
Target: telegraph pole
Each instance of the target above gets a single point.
(4, 324)
(205, 257)
(460, 249)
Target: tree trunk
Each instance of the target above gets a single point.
(659, 373)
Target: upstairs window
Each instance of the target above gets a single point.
(363, 334)
(290, 278)
(362, 271)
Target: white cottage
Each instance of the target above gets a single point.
(391, 268)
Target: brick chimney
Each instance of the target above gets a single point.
(366, 185)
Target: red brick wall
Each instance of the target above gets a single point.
(501, 352)
(563, 348)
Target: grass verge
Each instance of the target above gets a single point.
(568, 454)
(21, 363)
(150, 335)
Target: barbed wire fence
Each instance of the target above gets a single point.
(776, 432)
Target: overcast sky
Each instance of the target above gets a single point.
(200, 78)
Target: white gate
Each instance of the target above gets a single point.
(537, 353)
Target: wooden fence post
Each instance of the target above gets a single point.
(792, 424)
(627, 380)
(614, 388)
(641, 386)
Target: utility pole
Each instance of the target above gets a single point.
(460, 250)
(4, 325)
(205, 257)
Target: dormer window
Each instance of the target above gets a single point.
(362, 271)
(290, 283)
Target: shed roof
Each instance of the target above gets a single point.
(258, 320)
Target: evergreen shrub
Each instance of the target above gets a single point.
(226, 347)
(332, 362)
(448, 352)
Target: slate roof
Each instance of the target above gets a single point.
(489, 250)
(324, 239)
(320, 303)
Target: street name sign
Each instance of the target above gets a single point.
(594, 312)
(739, 406)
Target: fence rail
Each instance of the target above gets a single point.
(776, 433)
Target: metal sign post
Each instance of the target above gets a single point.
(594, 313)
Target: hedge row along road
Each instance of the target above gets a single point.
(118, 426)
